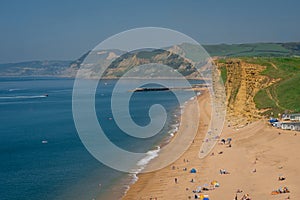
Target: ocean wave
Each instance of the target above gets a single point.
(17, 102)
(149, 156)
(134, 178)
(14, 89)
(24, 97)
(141, 164)
(173, 130)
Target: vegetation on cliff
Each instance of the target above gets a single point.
(261, 85)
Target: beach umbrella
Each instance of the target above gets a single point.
(215, 183)
(204, 197)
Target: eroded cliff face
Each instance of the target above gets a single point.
(242, 83)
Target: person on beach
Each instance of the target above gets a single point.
(229, 140)
(176, 180)
(235, 198)
(281, 178)
(224, 171)
(223, 141)
(246, 197)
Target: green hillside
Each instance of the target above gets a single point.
(248, 50)
(284, 95)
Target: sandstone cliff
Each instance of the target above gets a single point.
(243, 81)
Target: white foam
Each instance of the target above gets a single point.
(149, 156)
(141, 164)
(134, 178)
(23, 97)
(175, 125)
(13, 89)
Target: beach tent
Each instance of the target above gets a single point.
(193, 170)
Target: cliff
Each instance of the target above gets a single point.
(254, 87)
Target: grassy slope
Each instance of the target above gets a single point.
(256, 49)
(240, 50)
(285, 94)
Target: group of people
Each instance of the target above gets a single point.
(227, 141)
(244, 197)
(280, 191)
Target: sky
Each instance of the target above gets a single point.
(66, 29)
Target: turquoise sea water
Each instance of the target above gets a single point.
(41, 155)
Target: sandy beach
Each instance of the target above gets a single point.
(257, 157)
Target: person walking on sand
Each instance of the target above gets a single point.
(235, 198)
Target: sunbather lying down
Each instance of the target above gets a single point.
(281, 178)
(246, 197)
(224, 171)
(280, 191)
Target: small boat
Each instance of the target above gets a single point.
(44, 142)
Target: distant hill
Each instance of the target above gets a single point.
(35, 68)
(255, 49)
(69, 68)
(191, 52)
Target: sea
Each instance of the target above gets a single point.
(41, 154)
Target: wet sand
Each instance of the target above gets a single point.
(257, 157)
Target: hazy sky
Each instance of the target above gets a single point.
(64, 30)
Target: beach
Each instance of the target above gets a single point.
(257, 156)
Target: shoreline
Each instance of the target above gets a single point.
(157, 161)
(169, 138)
(259, 155)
